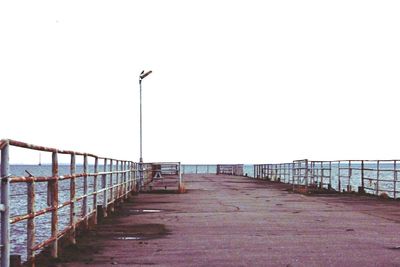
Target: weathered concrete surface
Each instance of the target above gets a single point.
(235, 221)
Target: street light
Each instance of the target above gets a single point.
(141, 77)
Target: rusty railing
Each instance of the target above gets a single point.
(230, 169)
(163, 174)
(377, 177)
(94, 191)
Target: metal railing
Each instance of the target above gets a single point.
(94, 190)
(199, 168)
(160, 170)
(377, 177)
(230, 169)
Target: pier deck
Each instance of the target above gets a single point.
(235, 221)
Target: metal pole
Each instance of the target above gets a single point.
(339, 185)
(72, 186)
(111, 181)
(349, 177)
(362, 176)
(377, 177)
(117, 188)
(85, 191)
(31, 222)
(141, 77)
(394, 179)
(141, 140)
(96, 165)
(5, 213)
(141, 131)
(104, 187)
(124, 186)
(54, 205)
(180, 175)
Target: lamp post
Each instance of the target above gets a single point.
(141, 77)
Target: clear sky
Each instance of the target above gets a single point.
(233, 81)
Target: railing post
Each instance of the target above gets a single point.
(120, 179)
(330, 175)
(321, 184)
(111, 182)
(306, 173)
(266, 175)
(124, 185)
(349, 172)
(31, 222)
(54, 205)
(128, 177)
(362, 177)
(72, 188)
(85, 191)
(5, 201)
(104, 187)
(141, 176)
(394, 179)
(180, 176)
(377, 177)
(339, 184)
(135, 175)
(262, 171)
(117, 189)
(294, 172)
(96, 162)
(131, 176)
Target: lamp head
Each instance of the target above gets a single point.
(144, 75)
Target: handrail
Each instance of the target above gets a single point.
(377, 177)
(117, 179)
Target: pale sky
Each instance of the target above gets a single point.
(232, 82)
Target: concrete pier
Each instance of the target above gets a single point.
(236, 221)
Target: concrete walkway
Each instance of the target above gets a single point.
(236, 221)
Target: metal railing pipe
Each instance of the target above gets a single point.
(5, 201)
